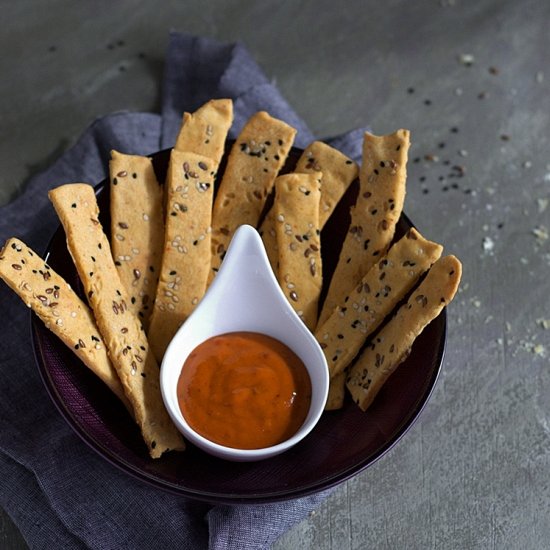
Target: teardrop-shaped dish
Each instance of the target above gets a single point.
(244, 296)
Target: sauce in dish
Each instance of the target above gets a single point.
(244, 390)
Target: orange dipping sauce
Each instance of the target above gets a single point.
(244, 390)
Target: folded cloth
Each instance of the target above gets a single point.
(58, 491)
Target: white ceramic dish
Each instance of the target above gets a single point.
(244, 296)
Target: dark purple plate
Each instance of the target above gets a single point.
(343, 443)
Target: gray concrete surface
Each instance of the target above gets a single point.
(474, 471)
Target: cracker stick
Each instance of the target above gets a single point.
(384, 285)
(300, 273)
(186, 257)
(336, 392)
(338, 173)
(255, 159)
(204, 132)
(137, 228)
(374, 216)
(121, 329)
(269, 238)
(61, 310)
(393, 343)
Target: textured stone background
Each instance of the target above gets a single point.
(471, 82)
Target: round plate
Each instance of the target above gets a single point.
(343, 443)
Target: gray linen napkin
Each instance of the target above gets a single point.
(58, 491)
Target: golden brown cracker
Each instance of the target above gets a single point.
(255, 159)
(374, 297)
(204, 132)
(375, 214)
(187, 255)
(121, 329)
(269, 238)
(137, 228)
(59, 308)
(394, 341)
(338, 172)
(296, 212)
(336, 392)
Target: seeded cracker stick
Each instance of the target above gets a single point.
(384, 285)
(374, 216)
(204, 132)
(338, 173)
(269, 238)
(336, 392)
(137, 228)
(121, 329)
(300, 273)
(186, 257)
(393, 343)
(255, 159)
(61, 310)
